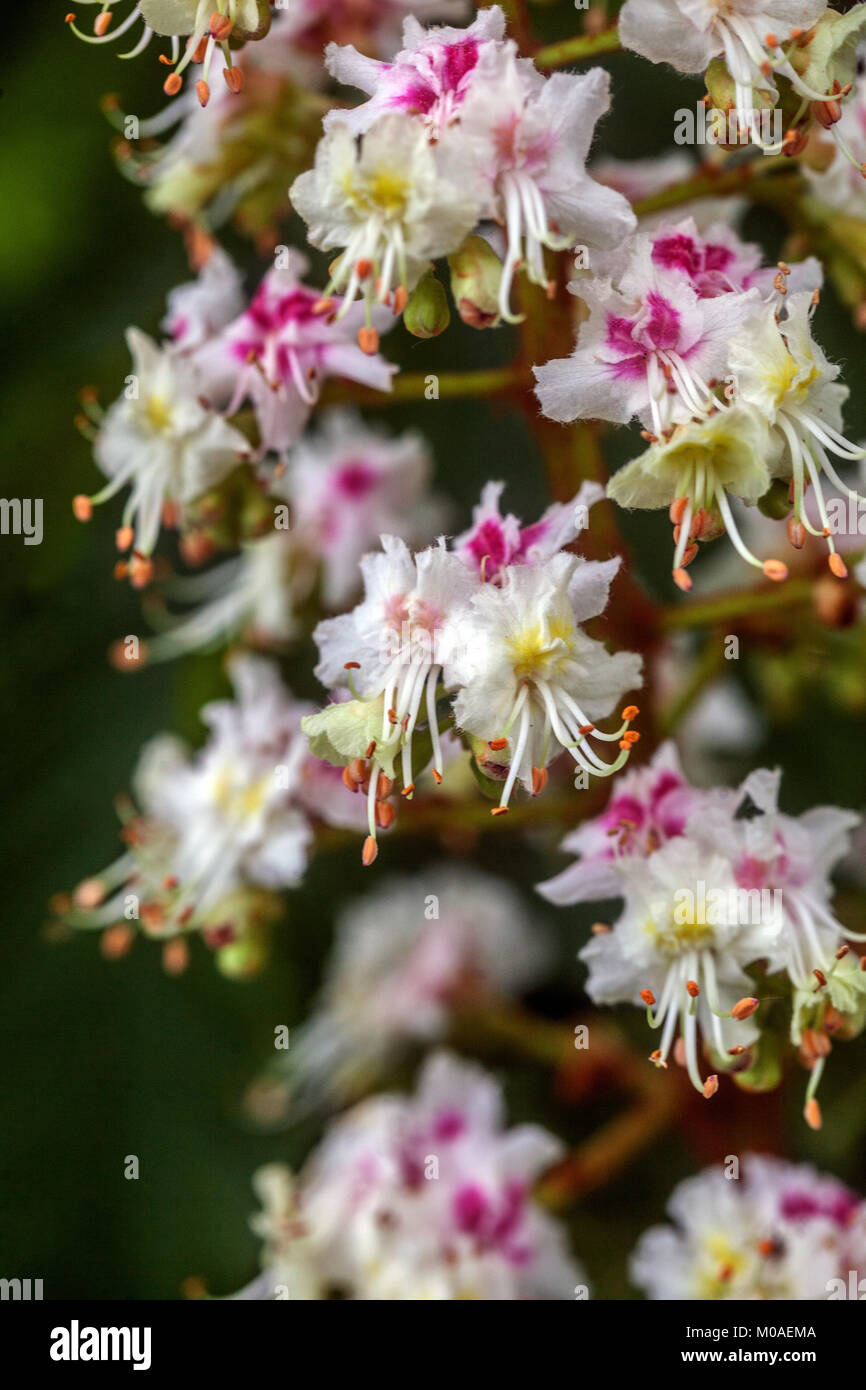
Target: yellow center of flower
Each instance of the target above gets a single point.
(384, 191)
(681, 930)
(726, 1264)
(541, 651)
(157, 413)
(239, 802)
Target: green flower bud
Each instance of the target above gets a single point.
(427, 313)
(827, 54)
(241, 960)
(764, 1070)
(476, 273)
(775, 502)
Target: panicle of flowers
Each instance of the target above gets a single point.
(173, 435)
(714, 882)
(401, 964)
(236, 159)
(206, 25)
(457, 130)
(506, 644)
(774, 1230)
(344, 484)
(416, 1197)
(211, 835)
(715, 356)
(162, 438)
(758, 55)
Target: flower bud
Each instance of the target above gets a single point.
(775, 502)
(252, 22)
(476, 273)
(427, 313)
(242, 959)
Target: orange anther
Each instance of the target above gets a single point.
(82, 507)
(368, 341)
(172, 84)
(385, 814)
(102, 22)
(837, 565)
(812, 1114)
(775, 570)
(539, 780)
(369, 852)
(677, 510)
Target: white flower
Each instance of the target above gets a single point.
(792, 856)
(402, 957)
(343, 485)
(396, 640)
(521, 663)
(680, 946)
(416, 1198)
(281, 348)
(198, 310)
(749, 34)
(213, 832)
(348, 483)
(693, 471)
(780, 370)
(429, 78)
(534, 138)
(776, 1231)
(250, 596)
(648, 807)
(233, 805)
(494, 541)
(393, 204)
(161, 439)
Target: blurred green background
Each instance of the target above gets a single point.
(104, 1060)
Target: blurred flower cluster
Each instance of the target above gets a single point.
(478, 668)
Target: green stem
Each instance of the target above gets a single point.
(747, 603)
(418, 386)
(559, 55)
(704, 670)
(773, 186)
